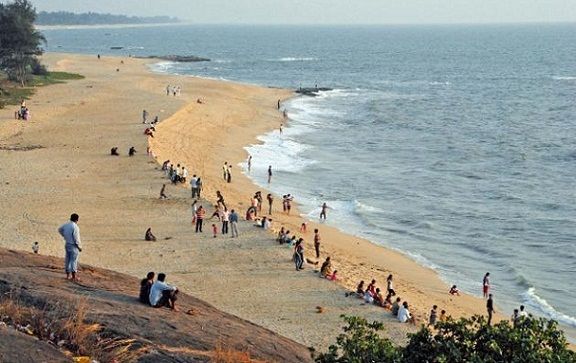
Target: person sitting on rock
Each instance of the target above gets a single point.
(114, 151)
(145, 286)
(162, 294)
(326, 269)
(149, 236)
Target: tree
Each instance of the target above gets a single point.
(454, 341)
(472, 340)
(19, 41)
(360, 343)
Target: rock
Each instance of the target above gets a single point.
(179, 58)
(312, 91)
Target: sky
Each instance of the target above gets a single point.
(330, 11)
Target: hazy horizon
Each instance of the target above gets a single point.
(330, 12)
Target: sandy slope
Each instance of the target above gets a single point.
(76, 124)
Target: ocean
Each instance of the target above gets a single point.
(455, 145)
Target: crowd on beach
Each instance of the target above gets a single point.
(158, 293)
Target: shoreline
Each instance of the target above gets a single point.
(118, 199)
(351, 261)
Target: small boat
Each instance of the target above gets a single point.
(116, 47)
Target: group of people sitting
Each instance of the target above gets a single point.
(176, 174)
(265, 223)
(373, 295)
(114, 151)
(327, 272)
(158, 293)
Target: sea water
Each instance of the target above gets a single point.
(453, 144)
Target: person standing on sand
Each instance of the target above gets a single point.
(35, 247)
(249, 162)
(198, 187)
(225, 171)
(200, 213)
(281, 130)
(168, 90)
(317, 242)
(486, 284)
(229, 176)
(71, 234)
(144, 116)
(233, 217)
(225, 217)
(490, 308)
(269, 173)
(193, 185)
(323, 212)
(278, 104)
(390, 285)
(270, 199)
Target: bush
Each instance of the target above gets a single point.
(454, 341)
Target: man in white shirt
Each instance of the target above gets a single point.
(194, 185)
(522, 313)
(71, 234)
(404, 315)
(162, 294)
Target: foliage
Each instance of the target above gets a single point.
(68, 18)
(19, 40)
(360, 343)
(12, 94)
(454, 341)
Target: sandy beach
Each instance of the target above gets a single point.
(59, 163)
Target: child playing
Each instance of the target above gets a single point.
(214, 230)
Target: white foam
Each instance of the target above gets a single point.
(293, 59)
(280, 151)
(564, 78)
(533, 300)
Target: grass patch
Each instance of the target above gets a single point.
(11, 93)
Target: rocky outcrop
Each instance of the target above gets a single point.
(312, 91)
(195, 334)
(179, 58)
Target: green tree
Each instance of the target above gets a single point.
(454, 341)
(361, 343)
(20, 42)
(472, 340)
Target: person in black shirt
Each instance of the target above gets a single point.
(490, 308)
(145, 286)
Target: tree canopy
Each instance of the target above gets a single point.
(454, 341)
(20, 42)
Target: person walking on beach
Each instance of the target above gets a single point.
(144, 116)
(278, 104)
(249, 162)
(269, 174)
(162, 193)
(71, 234)
(229, 176)
(390, 285)
(233, 218)
(281, 130)
(200, 214)
(323, 212)
(486, 285)
(270, 199)
(299, 254)
(317, 239)
(490, 308)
